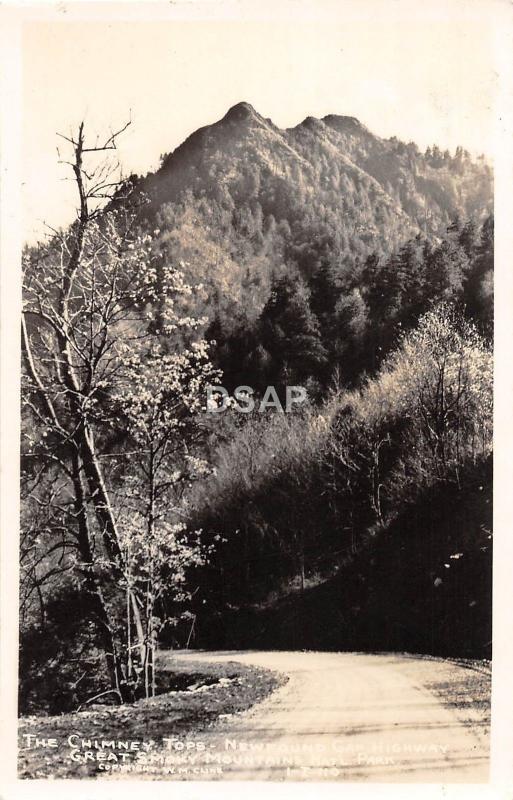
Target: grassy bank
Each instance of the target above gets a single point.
(198, 695)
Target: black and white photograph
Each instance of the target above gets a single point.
(251, 532)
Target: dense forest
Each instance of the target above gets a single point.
(320, 256)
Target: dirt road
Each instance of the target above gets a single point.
(343, 717)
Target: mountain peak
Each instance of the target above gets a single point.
(312, 123)
(240, 112)
(342, 123)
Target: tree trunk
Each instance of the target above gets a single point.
(107, 522)
(84, 541)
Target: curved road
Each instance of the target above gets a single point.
(345, 716)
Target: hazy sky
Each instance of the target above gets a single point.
(420, 71)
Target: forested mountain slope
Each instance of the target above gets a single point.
(241, 198)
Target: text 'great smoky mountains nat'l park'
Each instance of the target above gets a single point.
(322, 257)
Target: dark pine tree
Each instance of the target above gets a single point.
(290, 333)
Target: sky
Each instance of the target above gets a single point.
(419, 71)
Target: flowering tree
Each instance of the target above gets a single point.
(106, 372)
(437, 387)
(160, 399)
